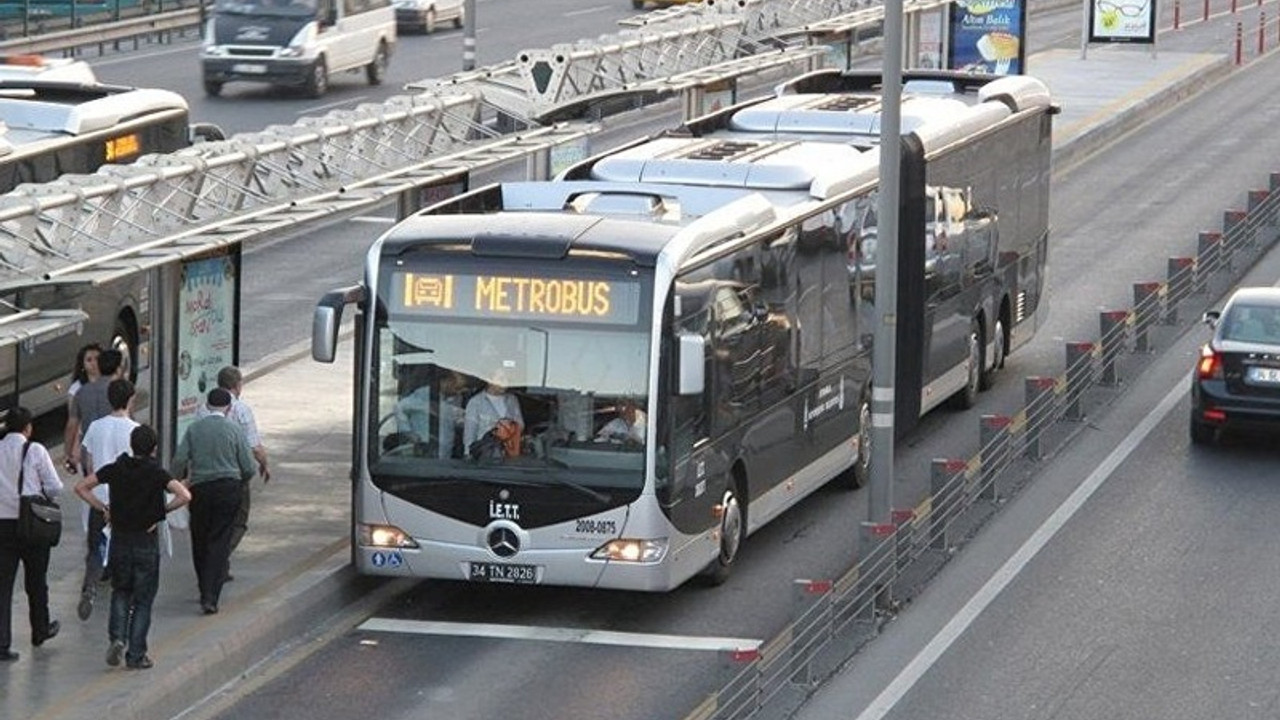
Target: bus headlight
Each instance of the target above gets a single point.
(388, 536)
(632, 550)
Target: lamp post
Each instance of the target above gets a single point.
(884, 353)
(469, 35)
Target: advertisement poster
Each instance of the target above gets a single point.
(206, 330)
(1122, 21)
(929, 45)
(988, 36)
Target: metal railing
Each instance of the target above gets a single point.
(835, 618)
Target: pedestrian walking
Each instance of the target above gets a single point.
(138, 484)
(232, 380)
(91, 403)
(107, 439)
(214, 457)
(85, 372)
(25, 469)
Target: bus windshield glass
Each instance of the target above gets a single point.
(519, 375)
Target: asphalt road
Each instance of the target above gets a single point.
(1116, 218)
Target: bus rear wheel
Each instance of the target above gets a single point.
(212, 88)
(732, 531)
(125, 339)
(998, 353)
(967, 396)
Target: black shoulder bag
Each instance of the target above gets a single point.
(39, 517)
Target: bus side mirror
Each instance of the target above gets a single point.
(692, 364)
(326, 320)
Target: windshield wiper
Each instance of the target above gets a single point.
(544, 480)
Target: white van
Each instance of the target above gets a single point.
(298, 43)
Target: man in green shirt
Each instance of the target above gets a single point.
(215, 458)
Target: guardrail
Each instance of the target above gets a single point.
(835, 618)
(67, 34)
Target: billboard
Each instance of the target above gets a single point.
(988, 36)
(1122, 21)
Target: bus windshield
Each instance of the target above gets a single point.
(487, 397)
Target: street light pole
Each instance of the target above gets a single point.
(469, 35)
(884, 354)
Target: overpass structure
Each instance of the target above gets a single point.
(125, 219)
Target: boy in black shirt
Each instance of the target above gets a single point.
(138, 484)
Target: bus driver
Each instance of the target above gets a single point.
(486, 409)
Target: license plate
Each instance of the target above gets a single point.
(1264, 375)
(249, 68)
(498, 572)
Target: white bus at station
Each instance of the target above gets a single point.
(612, 379)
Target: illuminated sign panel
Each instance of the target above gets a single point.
(125, 147)
(592, 300)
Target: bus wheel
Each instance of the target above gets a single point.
(376, 71)
(997, 356)
(318, 80)
(637, 4)
(732, 530)
(856, 475)
(461, 19)
(212, 88)
(124, 339)
(967, 396)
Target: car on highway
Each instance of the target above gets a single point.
(1236, 383)
(426, 15)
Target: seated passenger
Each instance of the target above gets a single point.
(483, 413)
(628, 426)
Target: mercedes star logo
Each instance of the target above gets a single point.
(503, 542)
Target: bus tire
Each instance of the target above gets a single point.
(637, 4)
(318, 79)
(461, 18)
(998, 354)
(125, 339)
(376, 70)
(212, 88)
(967, 396)
(856, 475)
(732, 533)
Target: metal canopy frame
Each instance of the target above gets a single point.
(126, 219)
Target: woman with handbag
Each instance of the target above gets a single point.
(25, 469)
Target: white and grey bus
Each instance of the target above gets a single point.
(974, 229)
(51, 128)
(694, 292)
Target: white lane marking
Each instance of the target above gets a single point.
(573, 635)
(134, 57)
(374, 219)
(929, 655)
(586, 11)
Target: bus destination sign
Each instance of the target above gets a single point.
(592, 300)
(123, 148)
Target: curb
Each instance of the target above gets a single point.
(1102, 134)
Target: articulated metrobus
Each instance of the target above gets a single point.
(674, 337)
(974, 228)
(50, 128)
